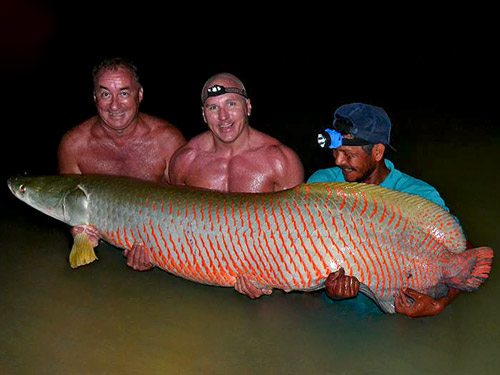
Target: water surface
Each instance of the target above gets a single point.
(107, 319)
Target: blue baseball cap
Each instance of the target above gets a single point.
(371, 124)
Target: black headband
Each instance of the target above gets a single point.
(217, 90)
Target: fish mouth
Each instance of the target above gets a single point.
(9, 184)
(14, 184)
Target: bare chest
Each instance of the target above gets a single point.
(141, 160)
(236, 174)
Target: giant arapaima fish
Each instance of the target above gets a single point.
(291, 240)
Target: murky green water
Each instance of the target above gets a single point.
(107, 319)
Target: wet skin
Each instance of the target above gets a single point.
(122, 141)
(232, 156)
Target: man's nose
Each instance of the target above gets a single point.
(115, 102)
(339, 158)
(223, 114)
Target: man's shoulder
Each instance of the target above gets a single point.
(190, 151)
(405, 183)
(80, 132)
(186, 157)
(266, 145)
(157, 123)
(260, 139)
(162, 132)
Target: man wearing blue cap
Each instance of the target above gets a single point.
(359, 138)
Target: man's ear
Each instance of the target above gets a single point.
(203, 115)
(378, 151)
(249, 107)
(141, 94)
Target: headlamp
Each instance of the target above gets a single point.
(330, 139)
(217, 90)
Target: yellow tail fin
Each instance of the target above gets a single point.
(82, 252)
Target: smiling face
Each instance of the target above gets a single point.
(357, 165)
(117, 95)
(226, 115)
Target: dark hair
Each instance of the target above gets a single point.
(114, 64)
(344, 126)
(368, 148)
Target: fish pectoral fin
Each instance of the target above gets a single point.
(386, 305)
(82, 252)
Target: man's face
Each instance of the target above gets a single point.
(357, 165)
(226, 115)
(117, 96)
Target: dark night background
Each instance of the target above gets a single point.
(434, 76)
(435, 71)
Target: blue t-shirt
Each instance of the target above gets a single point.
(395, 180)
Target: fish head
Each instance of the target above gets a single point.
(60, 197)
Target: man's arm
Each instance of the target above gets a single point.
(67, 156)
(288, 167)
(422, 305)
(172, 141)
(179, 165)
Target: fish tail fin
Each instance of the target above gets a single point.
(82, 252)
(472, 269)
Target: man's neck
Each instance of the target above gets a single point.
(237, 146)
(121, 135)
(378, 175)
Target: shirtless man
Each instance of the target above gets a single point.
(233, 156)
(119, 140)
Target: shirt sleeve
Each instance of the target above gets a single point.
(326, 175)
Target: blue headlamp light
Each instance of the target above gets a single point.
(330, 139)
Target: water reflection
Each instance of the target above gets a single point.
(107, 319)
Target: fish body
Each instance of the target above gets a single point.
(290, 240)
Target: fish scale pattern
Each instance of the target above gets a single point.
(289, 240)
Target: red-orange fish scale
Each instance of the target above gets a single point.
(383, 247)
(288, 234)
(317, 272)
(369, 245)
(338, 252)
(357, 250)
(268, 250)
(325, 268)
(297, 254)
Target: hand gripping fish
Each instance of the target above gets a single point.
(291, 240)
